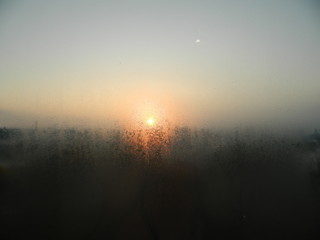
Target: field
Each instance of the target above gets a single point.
(58, 183)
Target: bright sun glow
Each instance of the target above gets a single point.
(150, 122)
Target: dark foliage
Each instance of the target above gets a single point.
(190, 184)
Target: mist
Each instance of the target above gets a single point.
(159, 119)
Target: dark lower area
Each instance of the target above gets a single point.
(170, 201)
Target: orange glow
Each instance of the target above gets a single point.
(151, 122)
(148, 129)
(132, 105)
(144, 111)
(149, 144)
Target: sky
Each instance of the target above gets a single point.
(195, 63)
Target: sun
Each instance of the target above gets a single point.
(150, 122)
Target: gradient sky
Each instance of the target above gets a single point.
(203, 63)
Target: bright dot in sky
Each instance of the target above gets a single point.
(198, 40)
(150, 122)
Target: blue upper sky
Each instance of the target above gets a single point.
(208, 62)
